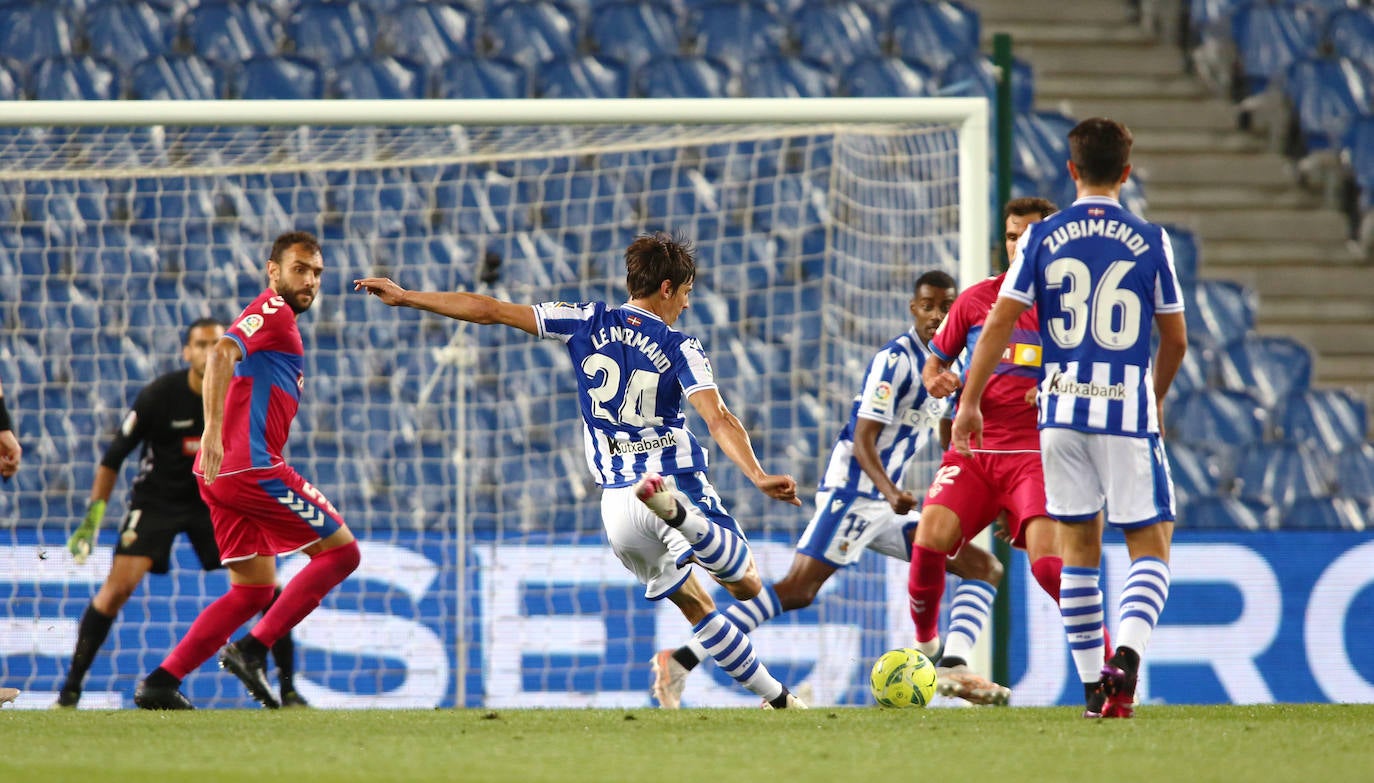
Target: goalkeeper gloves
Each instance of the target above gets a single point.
(84, 538)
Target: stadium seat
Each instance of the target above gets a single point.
(737, 31)
(977, 78)
(228, 32)
(1331, 419)
(1194, 471)
(584, 198)
(1327, 95)
(127, 31)
(1214, 419)
(634, 32)
(532, 33)
(937, 33)
(837, 34)
(1355, 473)
(430, 33)
(1198, 371)
(483, 77)
(1281, 473)
(1323, 514)
(377, 76)
(180, 77)
(887, 77)
(1184, 243)
(1350, 34)
(585, 76)
(277, 78)
(783, 76)
(684, 76)
(1268, 37)
(1221, 311)
(10, 86)
(331, 33)
(82, 78)
(1270, 368)
(35, 31)
(1224, 513)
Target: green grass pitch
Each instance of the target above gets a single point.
(1236, 744)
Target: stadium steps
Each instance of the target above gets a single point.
(1256, 224)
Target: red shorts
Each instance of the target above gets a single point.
(267, 512)
(980, 487)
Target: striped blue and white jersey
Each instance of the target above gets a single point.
(1099, 274)
(893, 394)
(633, 374)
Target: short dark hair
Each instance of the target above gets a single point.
(198, 323)
(1029, 205)
(1100, 149)
(658, 256)
(935, 278)
(291, 239)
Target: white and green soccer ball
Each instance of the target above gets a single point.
(903, 678)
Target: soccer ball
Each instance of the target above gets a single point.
(903, 678)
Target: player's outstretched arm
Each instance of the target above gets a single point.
(459, 305)
(938, 379)
(219, 369)
(82, 540)
(730, 434)
(866, 452)
(1173, 344)
(997, 329)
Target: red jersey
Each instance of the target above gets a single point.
(265, 391)
(1009, 423)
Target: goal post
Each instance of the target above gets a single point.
(454, 450)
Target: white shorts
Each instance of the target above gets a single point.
(1085, 471)
(655, 553)
(845, 524)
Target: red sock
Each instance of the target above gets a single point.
(214, 625)
(925, 586)
(303, 593)
(1046, 571)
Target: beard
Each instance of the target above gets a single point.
(292, 296)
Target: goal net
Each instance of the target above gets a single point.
(452, 450)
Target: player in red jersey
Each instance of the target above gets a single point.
(259, 506)
(1004, 476)
(10, 453)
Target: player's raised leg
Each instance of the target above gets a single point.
(717, 548)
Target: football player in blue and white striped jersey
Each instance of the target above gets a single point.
(634, 371)
(1101, 278)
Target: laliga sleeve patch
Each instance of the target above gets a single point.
(881, 399)
(250, 325)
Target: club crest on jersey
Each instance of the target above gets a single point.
(250, 325)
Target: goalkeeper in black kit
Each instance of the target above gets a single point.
(167, 418)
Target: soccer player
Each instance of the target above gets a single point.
(633, 372)
(167, 418)
(1003, 477)
(259, 506)
(1100, 276)
(10, 452)
(860, 503)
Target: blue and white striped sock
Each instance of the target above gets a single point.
(732, 651)
(969, 610)
(746, 615)
(1080, 604)
(720, 551)
(1142, 599)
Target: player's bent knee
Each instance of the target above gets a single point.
(744, 589)
(793, 595)
(939, 529)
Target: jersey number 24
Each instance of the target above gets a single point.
(638, 405)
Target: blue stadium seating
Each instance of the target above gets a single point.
(431, 33)
(1323, 514)
(1327, 95)
(1198, 371)
(1270, 36)
(1225, 513)
(684, 76)
(35, 31)
(331, 33)
(1184, 243)
(1281, 473)
(1214, 419)
(1270, 368)
(783, 76)
(483, 77)
(11, 88)
(377, 76)
(738, 31)
(534, 32)
(585, 76)
(279, 77)
(977, 78)
(126, 31)
(181, 77)
(81, 78)
(228, 32)
(937, 33)
(1355, 473)
(836, 34)
(1195, 473)
(634, 32)
(882, 77)
(585, 198)
(1350, 33)
(1330, 418)
(1221, 311)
